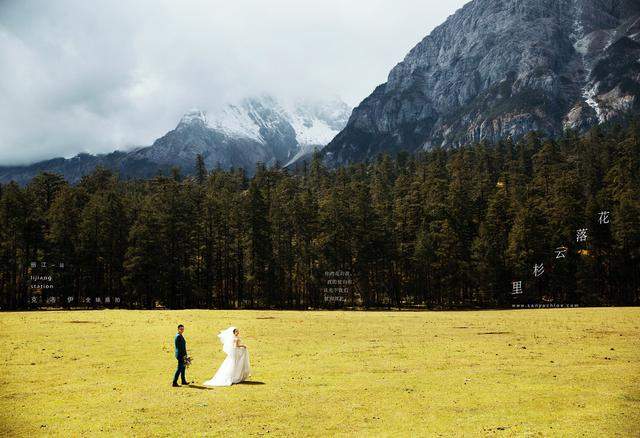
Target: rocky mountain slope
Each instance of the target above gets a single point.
(259, 129)
(499, 68)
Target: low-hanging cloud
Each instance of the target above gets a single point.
(95, 76)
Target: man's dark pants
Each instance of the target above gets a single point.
(180, 372)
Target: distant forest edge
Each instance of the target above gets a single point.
(476, 226)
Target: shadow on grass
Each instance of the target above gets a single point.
(249, 382)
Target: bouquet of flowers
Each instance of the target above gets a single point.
(187, 361)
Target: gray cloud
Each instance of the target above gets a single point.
(99, 75)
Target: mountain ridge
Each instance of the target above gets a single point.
(500, 68)
(255, 129)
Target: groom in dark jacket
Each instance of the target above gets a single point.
(181, 353)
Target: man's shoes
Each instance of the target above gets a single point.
(185, 383)
(175, 385)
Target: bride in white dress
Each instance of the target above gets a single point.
(235, 367)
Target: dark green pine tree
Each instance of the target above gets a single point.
(201, 170)
(336, 231)
(528, 247)
(490, 251)
(366, 242)
(16, 246)
(63, 218)
(306, 279)
(176, 214)
(259, 243)
(103, 233)
(144, 263)
(622, 187)
(282, 228)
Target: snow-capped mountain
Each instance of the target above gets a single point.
(257, 129)
(316, 124)
(293, 129)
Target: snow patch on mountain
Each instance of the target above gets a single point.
(589, 94)
(315, 123)
(311, 131)
(236, 121)
(286, 131)
(194, 115)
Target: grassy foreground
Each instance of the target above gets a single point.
(537, 372)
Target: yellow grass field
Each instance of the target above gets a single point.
(532, 372)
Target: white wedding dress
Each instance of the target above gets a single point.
(235, 368)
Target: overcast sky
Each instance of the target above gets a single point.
(95, 76)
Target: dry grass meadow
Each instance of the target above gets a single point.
(532, 372)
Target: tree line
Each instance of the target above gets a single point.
(469, 227)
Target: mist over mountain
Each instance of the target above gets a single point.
(257, 129)
(499, 68)
(494, 69)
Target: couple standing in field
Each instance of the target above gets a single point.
(234, 369)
